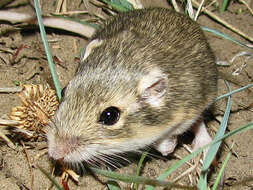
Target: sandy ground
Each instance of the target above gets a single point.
(30, 66)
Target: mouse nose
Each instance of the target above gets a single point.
(60, 147)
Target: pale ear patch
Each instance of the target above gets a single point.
(153, 87)
(93, 44)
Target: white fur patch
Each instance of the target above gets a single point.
(147, 81)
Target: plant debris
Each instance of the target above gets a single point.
(39, 103)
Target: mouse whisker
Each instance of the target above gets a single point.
(122, 158)
(94, 162)
(111, 160)
(151, 155)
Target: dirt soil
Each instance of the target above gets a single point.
(29, 66)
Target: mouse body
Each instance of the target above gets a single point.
(146, 76)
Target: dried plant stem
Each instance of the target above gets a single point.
(60, 23)
(7, 122)
(212, 15)
(7, 140)
(71, 13)
(174, 3)
(10, 89)
(64, 6)
(58, 6)
(30, 165)
(189, 170)
(199, 9)
(4, 123)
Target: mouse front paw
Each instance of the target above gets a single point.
(166, 145)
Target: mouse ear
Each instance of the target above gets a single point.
(153, 87)
(89, 48)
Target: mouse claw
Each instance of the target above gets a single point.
(166, 145)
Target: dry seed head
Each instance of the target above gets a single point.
(39, 103)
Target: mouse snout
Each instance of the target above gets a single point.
(61, 146)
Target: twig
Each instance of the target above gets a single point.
(7, 140)
(30, 165)
(199, 9)
(58, 6)
(59, 23)
(71, 13)
(4, 123)
(7, 122)
(189, 9)
(212, 15)
(10, 89)
(64, 6)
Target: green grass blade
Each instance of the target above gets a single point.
(143, 156)
(222, 169)
(113, 185)
(142, 180)
(202, 184)
(116, 6)
(50, 178)
(214, 147)
(77, 20)
(139, 179)
(174, 167)
(227, 37)
(124, 3)
(234, 91)
(224, 5)
(46, 46)
(237, 131)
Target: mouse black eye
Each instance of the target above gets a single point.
(109, 116)
(63, 92)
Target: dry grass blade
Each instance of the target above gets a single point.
(8, 122)
(247, 5)
(59, 23)
(174, 3)
(70, 13)
(58, 6)
(30, 165)
(4, 123)
(11, 89)
(218, 19)
(136, 4)
(7, 140)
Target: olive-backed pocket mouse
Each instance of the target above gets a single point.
(146, 77)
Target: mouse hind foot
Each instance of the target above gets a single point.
(202, 137)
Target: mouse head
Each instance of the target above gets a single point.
(108, 108)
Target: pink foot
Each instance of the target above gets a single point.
(202, 137)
